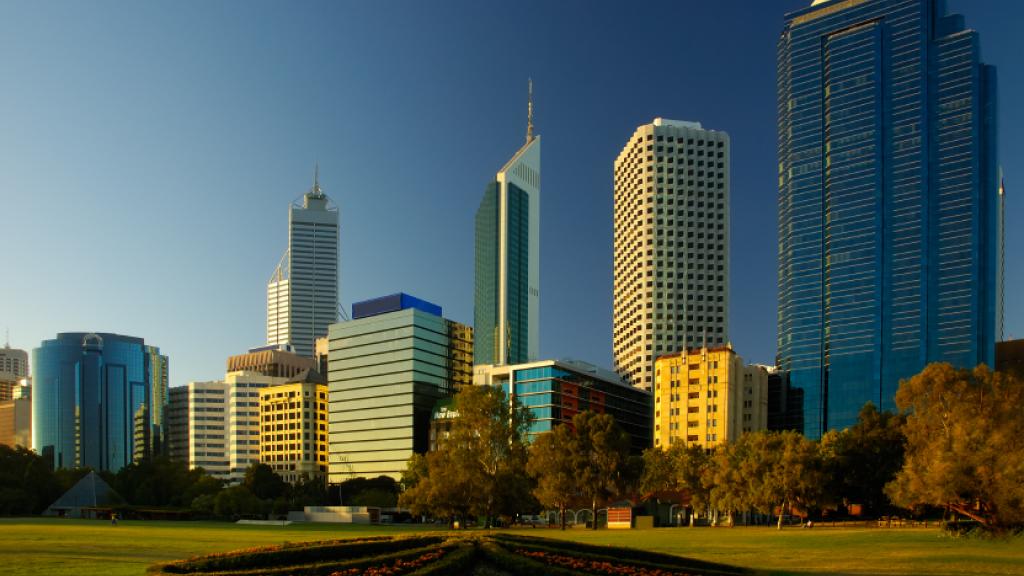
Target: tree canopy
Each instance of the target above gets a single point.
(551, 466)
(766, 471)
(480, 468)
(862, 459)
(679, 468)
(599, 455)
(964, 431)
(27, 486)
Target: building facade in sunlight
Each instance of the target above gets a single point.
(706, 397)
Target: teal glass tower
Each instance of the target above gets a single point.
(888, 202)
(98, 400)
(506, 310)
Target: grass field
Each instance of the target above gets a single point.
(65, 547)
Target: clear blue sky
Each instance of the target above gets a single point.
(149, 151)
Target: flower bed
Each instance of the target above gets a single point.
(400, 566)
(434, 554)
(597, 566)
(317, 559)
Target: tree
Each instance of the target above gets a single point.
(680, 468)
(598, 454)
(381, 491)
(161, 481)
(550, 465)
(435, 487)
(308, 491)
(27, 485)
(725, 479)
(480, 468)
(239, 501)
(487, 443)
(795, 473)
(862, 459)
(765, 471)
(263, 482)
(963, 429)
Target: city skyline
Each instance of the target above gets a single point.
(103, 191)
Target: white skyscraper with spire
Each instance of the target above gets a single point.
(506, 312)
(302, 295)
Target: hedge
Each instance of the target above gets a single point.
(309, 558)
(631, 556)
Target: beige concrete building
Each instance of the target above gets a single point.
(243, 418)
(198, 426)
(13, 369)
(293, 430)
(671, 244)
(706, 396)
(271, 361)
(321, 348)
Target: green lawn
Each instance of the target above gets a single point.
(80, 547)
(52, 546)
(822, 550)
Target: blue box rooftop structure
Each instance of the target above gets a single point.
(392, 303)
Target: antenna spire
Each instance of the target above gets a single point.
(316, 180)
(529, 111)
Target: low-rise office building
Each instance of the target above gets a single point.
(1010, 357)
(293, 428)
(387, 368)
(198, 426)
(557, 390)
(707, 396)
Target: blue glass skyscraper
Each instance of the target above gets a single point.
(98, 400)
(888, 202)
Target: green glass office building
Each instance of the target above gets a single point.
(386, 370)
(506, 311)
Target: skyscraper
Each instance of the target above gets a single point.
(302, 295)
(506, 311)
(887, 201)
(671, 245)
(92, 400)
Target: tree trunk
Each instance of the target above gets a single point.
(966, 511)
(782, 511)
(593, 512)
(562, 510)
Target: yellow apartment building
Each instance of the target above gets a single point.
(293, 429)
(706, 396)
